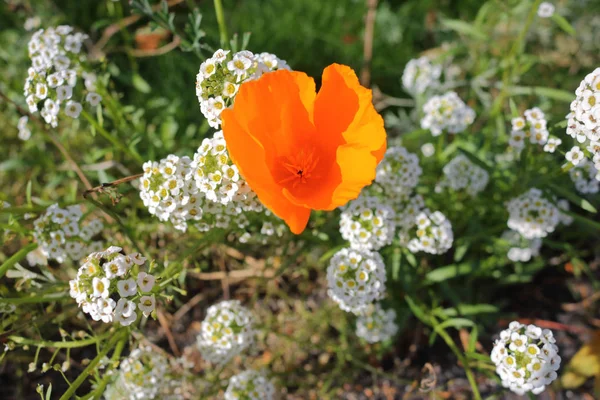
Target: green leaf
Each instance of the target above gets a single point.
(464, 28)
(450, 271)
(416, 310)
(49, 392)
(456, 323)
(396, 263)
(470, 309)
(476, 160)
(473, 339)
(586, 221)
(572, 197)
(410, 257)
(140, 84)
(563, 24)
(556, 94)
(460, 251)
(28, 193)
(15, 258)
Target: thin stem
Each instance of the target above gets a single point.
(15, 258)
(221, 21)
(58, 345)
(117, 182)
(36, 299)
(91, 366)
(116, 354)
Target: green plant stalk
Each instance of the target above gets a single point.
(18, 256)
(116, 354)
(470, 377)
(221, 21)
(33, 299)
(509, 72)
(58, 345)
(86, 372)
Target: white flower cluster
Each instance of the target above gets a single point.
(462, 174)
(521, 249)
(250, 385)
(446, 113)
(531, 126)
(367, 223)
(355, 279)
(526, 358)
(406, 209)
(421, 74)
(61, 233)
(399, 171)
(141, 376)
(207, 189)
(226, 331)
(107, 288)
(376, 324)
(433, 233)
(220, 77)
(545, 10)
(532, 215)
(585, 176)
(169, 191)
(219, 179)
(584, 119)
(24, 132)
(56, 65)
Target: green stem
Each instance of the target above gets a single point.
(34, 299)
(111, 138)
(18, 256)
(221, 21)
(511, 67)
(58, 345)
(116, 354)
(470, 377)
(86, 372)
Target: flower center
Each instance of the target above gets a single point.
(298, 168)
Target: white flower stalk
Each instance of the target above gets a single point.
(446, 113)
(521, 249)
(355, 279)
(226, 331)
(399, 171)
(250, 385)
(219, 179)
(432, 233)
(421, 74)
(585, 177)
(462, 174)
(531, 127)
(220, 77)
(526, 358)
(107, 288)
(376, 324)
(367, 223)
(57, 64)
(584, 120)
(532, 215)
(62, 233)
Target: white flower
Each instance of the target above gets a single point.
(428, 149)
(575, 155)
(446, 113)
(524, 362)
(226, 331)
(250, 385)
(64, 92)
(125, 312)
(127, 287)
(376, 324)
(93, 99)
(145, 282)
(147, 304)
(433, 233)
(101, 286)
(584, 175)
(462, 174)
(41, 91)
(521, 249)
(399, 171)
(532, 215)
(552, 144)
(73, 109)
(545, 10)
(420, 75)
(367, 223)
(355, 279)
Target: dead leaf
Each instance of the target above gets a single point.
(584, 364)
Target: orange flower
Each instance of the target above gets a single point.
(299, 150)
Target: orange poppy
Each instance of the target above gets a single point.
(300, 150)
